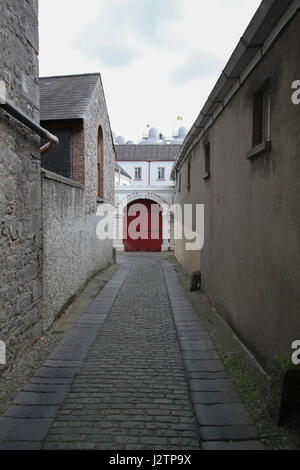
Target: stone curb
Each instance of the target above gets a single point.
(223, 420)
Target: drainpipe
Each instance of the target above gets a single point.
(11, 109)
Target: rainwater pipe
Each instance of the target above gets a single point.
(11, 109)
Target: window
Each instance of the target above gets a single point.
(262, 115)
(59, 159)
(100, 182)
(161, 173)
(179, 182)
(189, 176)
(207, 160)
(138, 173)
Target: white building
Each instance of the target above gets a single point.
(149, 166)
(121, 177)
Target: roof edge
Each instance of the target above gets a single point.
(71, 75)
(258, 28)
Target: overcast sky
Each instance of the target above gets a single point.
(158, 59)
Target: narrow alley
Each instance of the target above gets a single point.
(137, 371)
(149, 226)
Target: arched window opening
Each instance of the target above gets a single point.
(100, 165)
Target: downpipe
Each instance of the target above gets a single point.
(8, 106)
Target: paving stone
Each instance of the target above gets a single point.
(41, 398)
(23, 429)
(20, 445)
(245, 445)
(198, 385)
(57, 372)
(228, 433)
(183, 315)
(207, 375)
(58, 363)
(192, 335)
(51, 380)
(215, 397)
(183, 326)
(89, 318)
(200, 355)
(99, 309)
(222, 415)
(204, 366)
(68, 355)
(199, 345)
(46, 388)
(76, 342)
(19, 411)
(83, 330)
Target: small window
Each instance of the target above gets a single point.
(189, 176)
(207, 160)
(161, 173)
(138, 173)
(179, 182)
(59, 160)
(262, 115)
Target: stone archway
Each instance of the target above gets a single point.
(121, 227)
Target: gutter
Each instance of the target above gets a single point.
(267, 23)
(8, 106)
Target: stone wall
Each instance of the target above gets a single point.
(20, 202)
(97, 115)
(72, 253)
(78, 160)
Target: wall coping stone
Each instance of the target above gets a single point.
(61, 179)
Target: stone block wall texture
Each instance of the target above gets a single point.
(97, 115)
(20, 189)
(72, 253)
(78, 160)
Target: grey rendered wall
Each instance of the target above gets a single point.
(20, 189)
(72, 253)
(251, 257)
(190, 260)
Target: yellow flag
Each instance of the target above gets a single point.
(179, 118)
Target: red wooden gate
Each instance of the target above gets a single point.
(141, 231)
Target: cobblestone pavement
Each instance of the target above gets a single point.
(136, 372)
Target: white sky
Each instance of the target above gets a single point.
(158, 59)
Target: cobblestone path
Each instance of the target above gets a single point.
(136, 372)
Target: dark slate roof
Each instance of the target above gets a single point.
(123, 172)
(147, 152)
(66, 97)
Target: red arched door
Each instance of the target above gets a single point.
(143, 226)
